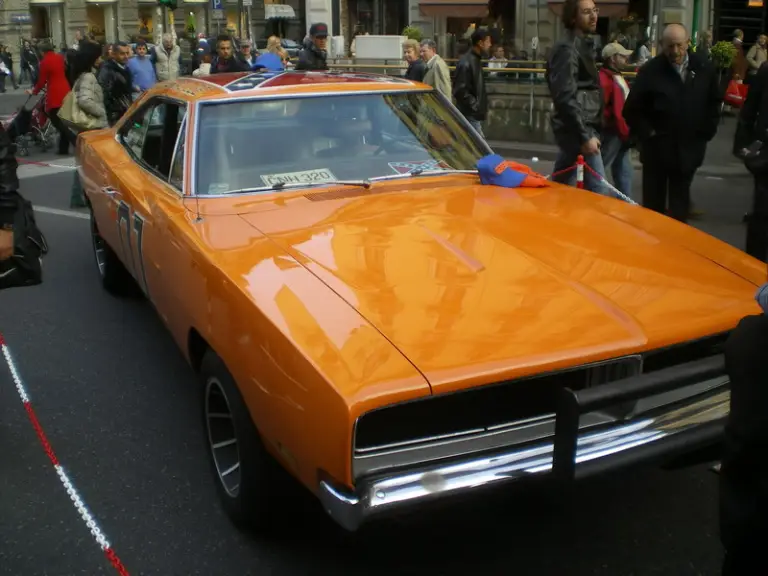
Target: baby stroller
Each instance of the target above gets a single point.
(31, 125)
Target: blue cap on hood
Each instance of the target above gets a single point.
(270, 61)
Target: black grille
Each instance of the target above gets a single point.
(497, 404)
(682, 353)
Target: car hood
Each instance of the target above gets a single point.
(476, 284)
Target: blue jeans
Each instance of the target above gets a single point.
(477, 125)
(619, 160)
(567, 160)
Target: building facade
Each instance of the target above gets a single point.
(113, 20)
(537, 22)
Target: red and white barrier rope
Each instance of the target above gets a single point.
(580, 167)
(78, 503)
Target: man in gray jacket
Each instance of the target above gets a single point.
(438, 76)
(166, 59)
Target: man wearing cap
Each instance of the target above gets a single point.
(673, 110)
(614, 138)
(314, 54)
(246, 55)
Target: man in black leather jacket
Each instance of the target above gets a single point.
(574, 85)
(469, 84)
(117, 83)
(9, 184)
(314, 54)
(225, 60)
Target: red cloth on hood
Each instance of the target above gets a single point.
(54, 78)
(613, 103)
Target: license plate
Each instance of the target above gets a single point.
(305, 177)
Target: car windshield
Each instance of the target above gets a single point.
(253, 144)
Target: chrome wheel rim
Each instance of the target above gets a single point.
(99, 248)
(222, 437)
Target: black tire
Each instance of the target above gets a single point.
(114, 277)
(249, 493)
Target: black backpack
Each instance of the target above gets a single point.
(25, 267)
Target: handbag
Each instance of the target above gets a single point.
(71, 112)
(25, 267)
(756, 158)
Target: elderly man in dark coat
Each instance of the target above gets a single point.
(673, 111)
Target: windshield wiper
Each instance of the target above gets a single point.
(421, 172)
(288, 185)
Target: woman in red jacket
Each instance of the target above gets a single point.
(54, 79)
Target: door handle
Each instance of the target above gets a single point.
(109, 191)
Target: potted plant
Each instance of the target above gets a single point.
(723, 54)
(413, 33)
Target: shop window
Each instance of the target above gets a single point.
(146, 21)
(96, 22)
(41, 21)
(361, 16)
(394, 17)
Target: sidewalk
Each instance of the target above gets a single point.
(11, 91)
(719, 160)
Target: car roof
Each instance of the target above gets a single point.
(239, 84)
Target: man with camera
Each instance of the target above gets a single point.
(9, 184)
(22, 244)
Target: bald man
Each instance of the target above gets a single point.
(673, 111)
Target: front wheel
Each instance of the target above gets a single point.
(114, 277)
(247, 478)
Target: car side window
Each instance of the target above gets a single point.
(152, 133)
(134, 131)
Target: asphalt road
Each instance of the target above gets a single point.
(122, 411)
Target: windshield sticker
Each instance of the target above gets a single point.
(218, 188)
(306, 177)
(407, 167)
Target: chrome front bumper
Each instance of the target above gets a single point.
(572, 454)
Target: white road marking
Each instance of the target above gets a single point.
(712, 178)
(34, 171)
(67, 213)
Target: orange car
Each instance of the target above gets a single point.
(363, 311)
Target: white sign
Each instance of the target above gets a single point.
(217, 14)
(247, 2)
(306, 177)
(535, 43)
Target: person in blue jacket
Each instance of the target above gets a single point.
(268, 61)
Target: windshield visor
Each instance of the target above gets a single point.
(254, 144)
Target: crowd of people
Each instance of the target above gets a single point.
(103, 81)
(669, 115)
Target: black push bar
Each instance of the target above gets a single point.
(571, 405)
